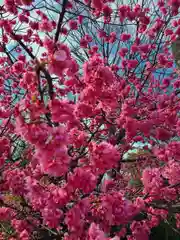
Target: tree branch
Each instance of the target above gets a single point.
(61, 16)
(41, 68)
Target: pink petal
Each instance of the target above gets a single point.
(60, 55)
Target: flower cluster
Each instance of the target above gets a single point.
(89, 119)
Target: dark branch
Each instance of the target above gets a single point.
(46, 73)
(61, 16)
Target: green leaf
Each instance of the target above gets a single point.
(135, 182)
(176, 51)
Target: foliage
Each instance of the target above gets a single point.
(89, 134)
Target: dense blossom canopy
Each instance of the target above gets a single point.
(89, 111)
